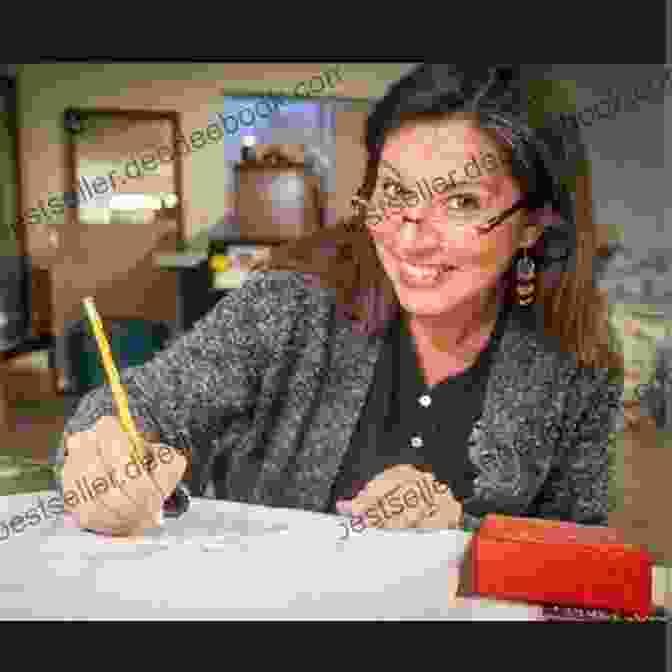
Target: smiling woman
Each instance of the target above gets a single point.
(412, 343)
(463, 214)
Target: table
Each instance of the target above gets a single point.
(194, 299)
(195, 295)
(225, 560)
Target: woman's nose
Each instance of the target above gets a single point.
(416, 233)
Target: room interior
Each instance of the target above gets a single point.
(152, 262)
(170, 257)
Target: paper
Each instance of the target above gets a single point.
(237, 533)
(243, 566)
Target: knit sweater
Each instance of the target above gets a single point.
(273, 380)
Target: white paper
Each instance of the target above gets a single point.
(229, 561)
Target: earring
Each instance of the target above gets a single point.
(525, 279)
(357, 203)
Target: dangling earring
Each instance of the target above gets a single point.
(525, 279)
(357, 203)
(359, 207)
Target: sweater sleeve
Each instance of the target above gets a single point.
(191, 391)
(577, 487)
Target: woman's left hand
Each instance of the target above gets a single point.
(405, 497)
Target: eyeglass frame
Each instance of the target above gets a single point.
(491, 223)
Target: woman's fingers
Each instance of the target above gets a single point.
(447, 513)
(405, 497)
(86, 476)
(108, 488)
(156, 478)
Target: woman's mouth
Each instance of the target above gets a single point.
(423, 277)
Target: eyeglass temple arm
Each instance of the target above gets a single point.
(498, 219)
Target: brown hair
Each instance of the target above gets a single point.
(344, 258)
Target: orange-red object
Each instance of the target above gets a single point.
(560, 563)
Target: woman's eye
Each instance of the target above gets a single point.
(463, 202)
(392, 189)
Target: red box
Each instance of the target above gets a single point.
(560, 563)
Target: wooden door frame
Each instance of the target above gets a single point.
(173, 117)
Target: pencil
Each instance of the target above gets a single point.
(118, 392)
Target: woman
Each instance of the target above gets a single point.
(447, 342)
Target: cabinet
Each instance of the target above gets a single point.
(276, 202)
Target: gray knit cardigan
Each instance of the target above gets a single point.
(272, 380)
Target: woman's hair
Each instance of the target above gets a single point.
(541, 157)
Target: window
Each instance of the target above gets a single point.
(276, 120)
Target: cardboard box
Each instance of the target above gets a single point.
(276, 204)
(560, 563)
(292, 153)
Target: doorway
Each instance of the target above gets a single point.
(125, 204)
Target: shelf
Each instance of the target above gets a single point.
(179, 259)
(232, 279)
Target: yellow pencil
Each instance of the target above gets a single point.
(115, 383)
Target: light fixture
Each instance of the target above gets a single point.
(248, 153)
(170, 200)
(135, 202)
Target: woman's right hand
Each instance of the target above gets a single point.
(106, 490)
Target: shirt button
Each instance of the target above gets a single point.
(425, 400)
(416, 442)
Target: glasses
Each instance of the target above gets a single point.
(470, 220)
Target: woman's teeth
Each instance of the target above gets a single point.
(424, 274)
(421, 272)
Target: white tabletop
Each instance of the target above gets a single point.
(224, 560)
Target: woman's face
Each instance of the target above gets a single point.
(428, 173)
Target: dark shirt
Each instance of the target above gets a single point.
(404, 421)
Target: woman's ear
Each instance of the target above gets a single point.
(531, 234)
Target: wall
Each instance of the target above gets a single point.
(8, 205)
(667, 158)
(350, 160)
(627, 154)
